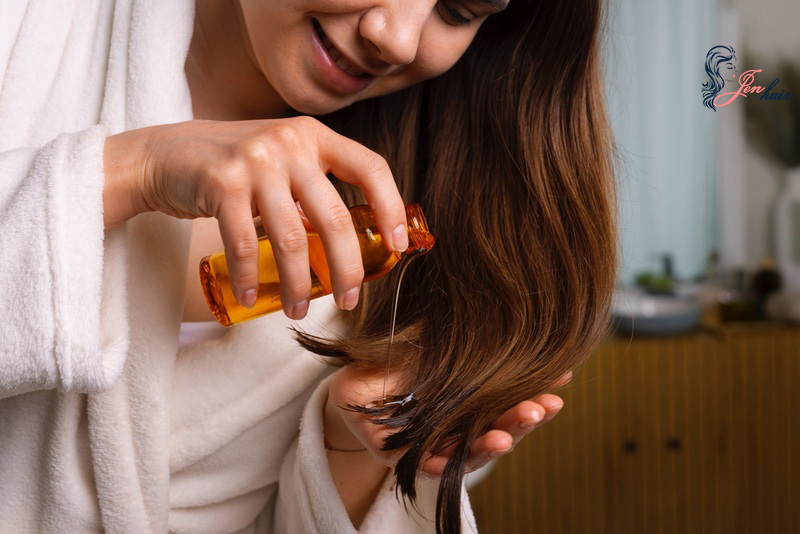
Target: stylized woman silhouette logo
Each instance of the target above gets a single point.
(721, 69)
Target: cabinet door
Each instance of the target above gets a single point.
(693, 435)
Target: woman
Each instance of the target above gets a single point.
(721, 69)
(190, 443)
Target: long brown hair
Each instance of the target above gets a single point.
(510, 155)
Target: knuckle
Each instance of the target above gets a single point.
(244, 250)
(252, 151)
(305, 121)
(338, 219)
(352, 275)
(292, 242)
(298, 290)
(286, 135)
(375, 164)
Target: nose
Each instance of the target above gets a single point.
(392, 30)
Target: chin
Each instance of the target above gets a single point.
(312, 108)
(316, 104)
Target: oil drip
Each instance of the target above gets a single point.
(398, 279)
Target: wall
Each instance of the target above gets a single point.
(769, 30)
(667, 178)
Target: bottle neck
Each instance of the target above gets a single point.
(420, 239)
(419, 236)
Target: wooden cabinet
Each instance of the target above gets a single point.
(696, 434)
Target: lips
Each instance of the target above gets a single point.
(333, 69)
(337, 56)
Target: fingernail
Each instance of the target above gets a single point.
(536, 416)
(400, 238)
(248, 298)
(350, 298)
(299, 310)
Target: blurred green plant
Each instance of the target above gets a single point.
(657, 284)
(773, 126)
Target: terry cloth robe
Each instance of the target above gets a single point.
(104, 424)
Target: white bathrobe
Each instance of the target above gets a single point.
(104, 424)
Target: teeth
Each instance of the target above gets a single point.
(335, 55)
(343, 64)
(347, 67)
(338, 58)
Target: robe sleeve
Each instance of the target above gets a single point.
(308, 501)
(62, 277)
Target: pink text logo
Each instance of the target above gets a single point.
(722, 73)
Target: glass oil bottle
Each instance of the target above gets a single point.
(377, 259)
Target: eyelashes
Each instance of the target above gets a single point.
(451, 15)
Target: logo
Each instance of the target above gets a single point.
(722, 72)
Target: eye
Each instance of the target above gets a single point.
(452, 16)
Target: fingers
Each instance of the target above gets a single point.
(329, 216)
(522, 417)
(282, 167)
(552, 404)
(289, 242)
(354, 163)
(563, 381)
(513, 425)
(509, 429)
(506, 431)
(490, 445)
(526, 415)
(241, 248)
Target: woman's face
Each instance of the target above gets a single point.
(396, 42)
(728, 72)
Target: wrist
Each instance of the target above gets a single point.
(123, 171)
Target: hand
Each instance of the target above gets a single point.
(350, 430)
(237, 170)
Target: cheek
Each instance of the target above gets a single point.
(437, 53)
(434, 57)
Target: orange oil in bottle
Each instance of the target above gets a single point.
(376, 258)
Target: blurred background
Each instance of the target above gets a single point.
(687, 418)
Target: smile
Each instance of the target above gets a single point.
(337, 56)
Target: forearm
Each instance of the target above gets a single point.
(357, 475)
